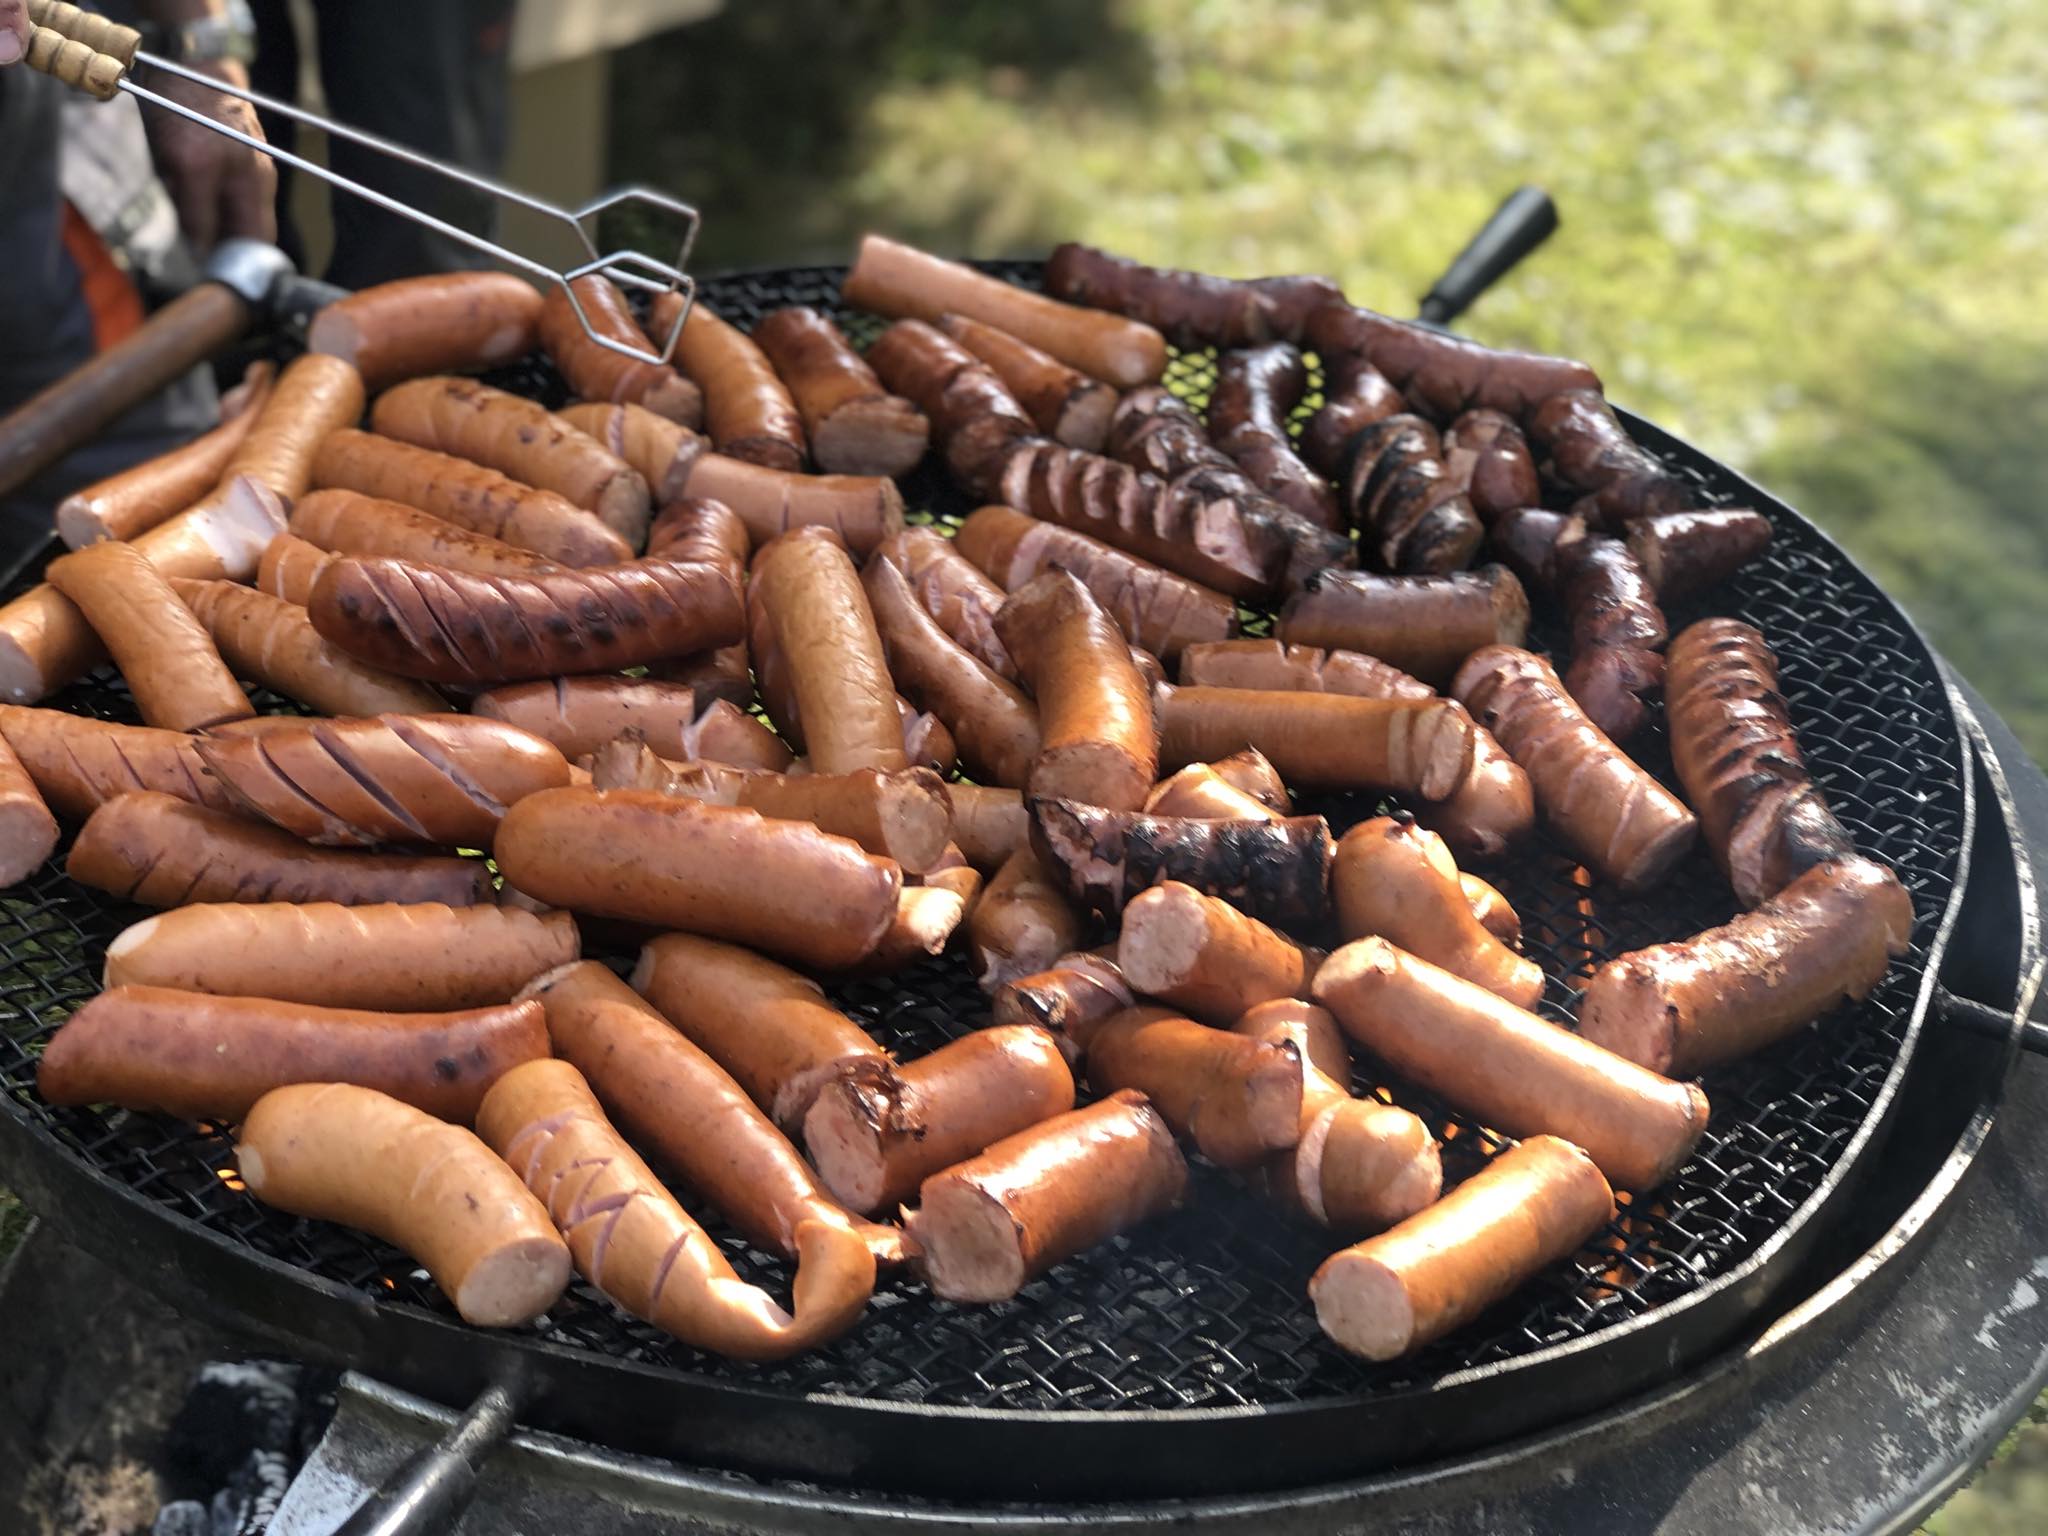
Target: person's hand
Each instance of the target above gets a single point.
(13, 31)
(222, 189)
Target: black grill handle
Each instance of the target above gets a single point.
(427, 1495)
(1995, 1023)
(1524, 221)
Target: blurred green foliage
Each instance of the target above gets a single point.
(1812, 237)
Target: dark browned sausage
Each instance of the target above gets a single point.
(1586, 447)
(1412, 514)
(1426, 625)
(1255, 393)
(1355, 395)
(855, 426)
(1068, 406)
(1442, 375)
(1485, 452)
(974, 417)
(1193, 309)
(1683, 552)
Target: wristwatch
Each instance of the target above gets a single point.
(226, 37)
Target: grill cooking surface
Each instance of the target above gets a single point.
(1208, 1308)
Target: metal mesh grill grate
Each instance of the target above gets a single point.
(1207, 1308)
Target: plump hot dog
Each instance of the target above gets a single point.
(1396, 880)
(290, 568)
(581, 715)
(989, 823)
(1203, 955)
(1324, 740)
(1412, 514)
(424, 956)
(1528, 1209)
(875, 1135)
(274, 643)
(1622, 822)
(1097, 740)
(1022, 924)
(600, 374)
(1584, 446)
(336, 1152)
(315, 398)
(779, 886)
(770, 1027)
(1514, 1071)
(1443, 375)
(855, 426)
(1684, 552)
(450, 322)
(1198, 790)
(79, 763)
(1068, 406)
(1193, 309)
(748, 414)
(1682, 1008)
(1426, 625)
(159, 851)
(1234, 1098)
(166, 656)
(28, 832)
(439, 779)
(1764, 819)
(987, 1226)
(1276, 871)
(1256, 391)
(200, 1056)
(824, 632)
(468, 495)
(448, 626)
(642, 1067)
(862, 509)
(1068, 999)
(1355, 395)
(960, 598)
(634, 1242)
(517, 438)
(897, 280)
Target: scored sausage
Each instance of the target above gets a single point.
(1684, 552)
(1443, 375)
(1486, 453)
(1235, 1098)
(748, 414)
(855, 426)
(1256, 391)
(824, 631)
(1412, 514)
(28, 832)
(290, 567)
(582, 715)
(1194, 952)
(449, 322)
(79, 763)
(1355, 395)
(274, 643)
(663, 451)
(1324, 740)
(1068, 406)
(974, 417)
(597, 372)
(1426, 625)
(961, 600)
(1022, 923)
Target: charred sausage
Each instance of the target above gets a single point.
(1413, 517)
(1486, 453)
(1068, 406)
(1192, 309)
(855, 426)
(1256, 391)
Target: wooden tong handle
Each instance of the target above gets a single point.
(80, 48)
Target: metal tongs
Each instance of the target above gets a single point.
(93, 54)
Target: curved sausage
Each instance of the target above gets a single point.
(748, 415)
(634, 1242)
(290, 568)
(449, 322)
(1236, 1099)
(876, 1135)
(1068, 406)
(989, 823)
(1529, 1208)
(661, 450)
(1198, 790)
(1193, 309)
(1426, 625)
(974, 417)
(1684, 552)
(600, 374)
(426, 956)
(961, 600)
(28, 832)
(1443, 375)
(1097, 740)
(987, 1226)
(863, 510)
(892, 279)
(273, 642)
(340, 1153)
(855, 426)
(1022, 923)
(79, 763)
(1251, 772)
(1398, 881)
(1411, 513)
(1255, 393)
(581, 715)
(1586, 448)
(1203, 955)
(1486, 453)
(1324, 740)
(825, 634)
(1067, 999)
(1618, 633)
(165, 654)
(159, 851)
(519, 439)
(1512, 1070)
(1620, 820)
(779, 886)
(770, 1027)
(315, 398)
(1355, 395)
(1682, 1008)
(200, 1056)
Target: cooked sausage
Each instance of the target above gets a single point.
(1068, 406)
(1158, 610)
(1764, 819)
(159, 851)
(315, 398)
(1203, 955)
(961, 600)
(987, 1226)
(1324, 740)
(1620, 820)
(1529, 1208)
(1198, 790)
(989, 823)
(201, 1056)
(1486, 453)
(336, 1152)
(768, 1026)
(439, 779)
(779, 886)
(1491, 909)
(349, 523)
(273, 642)
(975, 419)
(1683, 552)
(1022, 923)
(165, 654)
(697, 528)
(1097, 738)
(1192, 309)
(1586, 448)
(1682, 1008)
(642, 1068)
(1236, 1099)
(1514, 1071)
(600, 374)
(448, 322)
(892, 279)
(425, 956)
(1412, 515)
(633, 1241)
(927, 917)
(519, 439)
(460, 627)
(661, 450)
(748, 414)
(290, 568)
(1067, 999)
(1426, 625)
(824, 631)
(79, 763)
(1355, 395)
(875, 1135)
(1256, 391)
(855, 426)
(1443, 375)
(1276, 871)
(862, 509)
(1251, 772)
(28, 832)
(1398, 881)
(580, 715)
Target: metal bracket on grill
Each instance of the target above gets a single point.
(429, 1493)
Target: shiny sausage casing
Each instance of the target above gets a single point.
(1324, 740)
(448, 322)
(748, 413)
(810, 593)
(1235, 1098)
(1192, 309)
(855, 426)
(1201, 954)
(79, 763)
(1426, 625)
